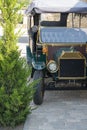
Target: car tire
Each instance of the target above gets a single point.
(39, 88)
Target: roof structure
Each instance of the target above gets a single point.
(53, 6)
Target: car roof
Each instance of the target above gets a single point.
(54, 6)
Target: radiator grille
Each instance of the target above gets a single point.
(72, 66)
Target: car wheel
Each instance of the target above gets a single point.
(39, 88)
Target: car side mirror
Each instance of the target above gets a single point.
(34, 29)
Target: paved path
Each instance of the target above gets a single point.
(61, 110)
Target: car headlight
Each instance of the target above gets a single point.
(52, 66)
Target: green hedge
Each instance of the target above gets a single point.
(15, 91)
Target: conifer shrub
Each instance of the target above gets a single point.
(15, 91)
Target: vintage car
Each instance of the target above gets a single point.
(58, 46)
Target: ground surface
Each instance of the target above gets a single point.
(20, 127)
(61, 110)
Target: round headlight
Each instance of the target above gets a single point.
(52, 66)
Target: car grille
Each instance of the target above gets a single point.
(72, 65)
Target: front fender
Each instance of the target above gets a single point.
(29, 55)
(38, 65)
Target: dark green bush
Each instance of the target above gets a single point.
(15, 91)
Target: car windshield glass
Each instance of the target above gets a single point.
(76, 20)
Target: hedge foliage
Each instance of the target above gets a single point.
(15, 91)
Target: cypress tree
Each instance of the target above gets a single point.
(15, 91)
